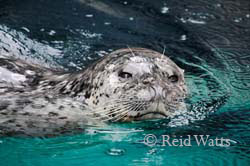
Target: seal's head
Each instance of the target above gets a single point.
(136, 84)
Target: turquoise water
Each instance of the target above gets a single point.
(209, 39)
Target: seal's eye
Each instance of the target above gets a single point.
(173, 78)
(123, 74)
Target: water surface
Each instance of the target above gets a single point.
(209, 39)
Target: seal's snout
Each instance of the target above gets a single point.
(159, 92)
(147, 80)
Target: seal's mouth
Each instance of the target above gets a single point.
(146, 116)
(124, 110)
(153, 113)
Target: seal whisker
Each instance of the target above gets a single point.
(163, 53)
(118, 115)
(107, 108)
(121, 112)
(131, 50)
(121, 117)
(137, 107)
(118, 110)
(128, 109)
(115, 103)
(124, 114)
(116, 88)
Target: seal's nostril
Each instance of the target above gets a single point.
(145, 82)
(148, 80)
(164, 94)
(158, 92)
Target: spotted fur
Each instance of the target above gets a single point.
(129, 84)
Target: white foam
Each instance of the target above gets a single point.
(164, 10)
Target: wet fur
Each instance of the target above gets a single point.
(50, 102)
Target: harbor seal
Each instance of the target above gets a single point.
(127, 85)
